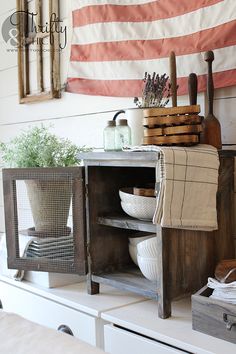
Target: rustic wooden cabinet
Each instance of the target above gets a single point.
(186, 258)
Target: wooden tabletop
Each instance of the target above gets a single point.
(149, 157)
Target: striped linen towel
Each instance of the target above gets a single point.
(188, 178)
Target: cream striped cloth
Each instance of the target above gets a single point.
(188, 178)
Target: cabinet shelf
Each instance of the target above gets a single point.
(129, 279)
(126, 222)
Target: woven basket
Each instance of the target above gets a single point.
(172, 126)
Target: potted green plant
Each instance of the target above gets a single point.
(38, 147)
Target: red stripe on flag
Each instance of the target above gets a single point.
(137, 13)
(132, 88)
(115, 88)
(221, 79)
(216, 37)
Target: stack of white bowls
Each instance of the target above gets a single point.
(147, 258)
(137, 206)
(133, 243)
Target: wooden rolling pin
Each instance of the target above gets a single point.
(211, 126)
(192, 89)
(173, 79)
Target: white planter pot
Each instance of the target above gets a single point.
(50, 204)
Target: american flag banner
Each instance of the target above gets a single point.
(115, 42)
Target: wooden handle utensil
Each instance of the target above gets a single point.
(211, 126)
(225, 271)
(173, 79)
(192, 89)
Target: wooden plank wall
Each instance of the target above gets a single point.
(78, 117)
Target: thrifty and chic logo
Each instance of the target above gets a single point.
(53, 26)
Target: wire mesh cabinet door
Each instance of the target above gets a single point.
(45, 219)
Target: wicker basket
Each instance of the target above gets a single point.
(172, 126)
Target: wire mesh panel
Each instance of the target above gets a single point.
(44, 216)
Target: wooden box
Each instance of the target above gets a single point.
(172, 126)
(214, 317)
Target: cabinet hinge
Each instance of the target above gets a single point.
(88, 250)
(86, 190)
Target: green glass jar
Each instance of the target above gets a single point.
(109, 136)
(122, 134)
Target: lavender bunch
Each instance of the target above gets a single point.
(156, 92)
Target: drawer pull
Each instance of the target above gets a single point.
(229, 323)
(65, 329)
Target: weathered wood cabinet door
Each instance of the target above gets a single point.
(51, 237)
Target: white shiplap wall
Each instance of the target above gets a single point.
(78, 117)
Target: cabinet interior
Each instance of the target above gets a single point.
(109, 227)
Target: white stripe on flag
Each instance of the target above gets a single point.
(183, 25)
(121, 70)
(78, 4)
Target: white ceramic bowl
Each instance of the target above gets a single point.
(148, 267)
(126, 195)
(135, 240)
(148, 248)
(137, 206)
(133, 253)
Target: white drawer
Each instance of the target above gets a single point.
(119, 341)
(48, 313)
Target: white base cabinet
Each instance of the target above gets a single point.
(136, 329)
(70, 306)
(121, 323)
(118, 340)
(49, 313)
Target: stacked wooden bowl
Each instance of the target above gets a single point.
(172, 126)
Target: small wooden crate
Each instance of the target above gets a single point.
(214, 317)
(172, 126)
